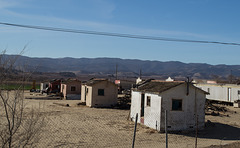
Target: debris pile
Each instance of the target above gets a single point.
(123, 103)
(215, 109)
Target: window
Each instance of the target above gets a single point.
(148, 101)
(238, 92)
(73, 88)
(101, 92)
(176, 104)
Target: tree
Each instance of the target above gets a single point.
(18, 127)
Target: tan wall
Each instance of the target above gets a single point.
(66, 88)
(83, 93)
(63, 89)
(110, 95)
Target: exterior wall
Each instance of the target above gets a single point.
(77, 85)
(83, 93)
(152, 113)
(55, 86)
(73, 97)
(191, 104)
(221, 92)
(89, 96)
(66, 90)
(135, 105)
(110, 95)
(43, 86)
(63, 90)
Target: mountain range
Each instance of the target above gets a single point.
(127, 67)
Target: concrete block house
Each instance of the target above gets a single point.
(71, 89)
(183, 102)
(99, 93)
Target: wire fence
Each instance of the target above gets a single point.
(69, 124)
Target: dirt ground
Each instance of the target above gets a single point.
(76, 125)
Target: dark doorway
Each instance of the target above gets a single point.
(142, 104)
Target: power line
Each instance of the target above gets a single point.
(117, 34)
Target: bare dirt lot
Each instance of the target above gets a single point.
(79, 126)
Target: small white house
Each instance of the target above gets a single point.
(221, 92)
(183, 101)
(99, 93)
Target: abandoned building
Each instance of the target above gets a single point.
(71, 89)
(183, 101)
(55, 85)
(44, 86)
(99, 93)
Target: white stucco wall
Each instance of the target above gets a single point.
(184, 119)
(154, 116)
(151, 113)
(89, 96)
(221, 92)
(135, 105)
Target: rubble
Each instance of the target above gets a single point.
(215, 109)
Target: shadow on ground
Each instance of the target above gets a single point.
(216, 131)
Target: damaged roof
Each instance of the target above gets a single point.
(158, 86)
(70, 80)
(94, 81)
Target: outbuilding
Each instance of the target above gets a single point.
(99, 93)
(71, 89)
(184, 103)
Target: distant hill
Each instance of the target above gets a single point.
(127, 67)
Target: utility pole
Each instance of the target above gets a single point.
(116, 72)
(140, 74)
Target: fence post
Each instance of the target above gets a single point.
(196, 136)
(166, 131)
(135, 127)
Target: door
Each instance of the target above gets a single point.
(142, 104)
(229, 94)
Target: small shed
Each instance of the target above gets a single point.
(71, 89)
(99, 93)
(183, 101)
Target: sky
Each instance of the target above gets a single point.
(207, 20)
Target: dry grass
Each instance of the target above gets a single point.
(79, 126)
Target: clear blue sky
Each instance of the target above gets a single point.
(211, 20)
